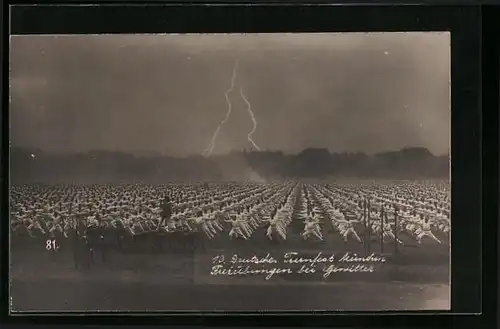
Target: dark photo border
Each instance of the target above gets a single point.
(491, 108)
(464, 22)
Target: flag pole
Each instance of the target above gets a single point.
(369, 226)
(364, 225)
(382, 214)
(395, 230)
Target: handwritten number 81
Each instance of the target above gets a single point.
(51, 245)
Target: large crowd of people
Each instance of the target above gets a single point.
(240, 211)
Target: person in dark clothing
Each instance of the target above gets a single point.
(166, 211)
(76, 248)
(80, 247)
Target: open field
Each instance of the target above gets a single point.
(176, 275)
(44, 281)
(182, 282)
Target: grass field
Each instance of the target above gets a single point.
(417, 278)
(141, 276)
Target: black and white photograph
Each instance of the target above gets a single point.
(230, 172)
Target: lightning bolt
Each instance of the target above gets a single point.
(252, 116)
(208, 151)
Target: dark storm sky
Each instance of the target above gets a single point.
(165, 93)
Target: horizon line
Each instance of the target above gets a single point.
(152, 154)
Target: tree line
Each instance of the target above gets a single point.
(314, 163)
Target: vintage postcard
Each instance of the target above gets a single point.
(230, 172)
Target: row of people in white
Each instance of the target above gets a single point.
(253, 208)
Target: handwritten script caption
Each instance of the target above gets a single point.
(293, 263)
